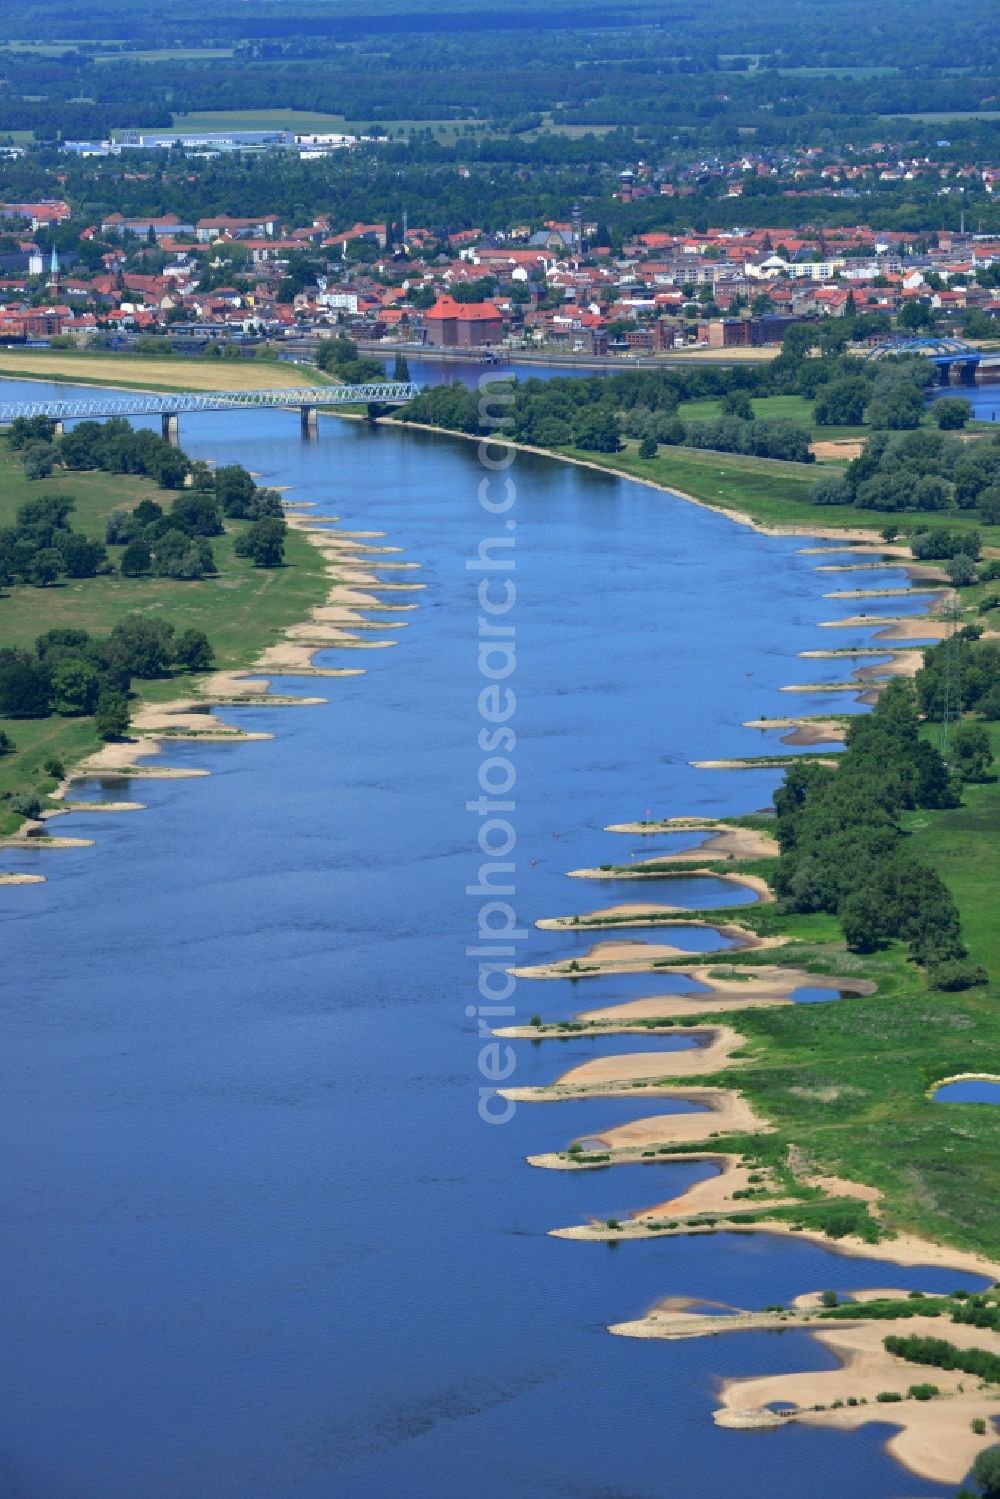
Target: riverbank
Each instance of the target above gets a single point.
(819, 1115)
(769, 496)
(257, 620)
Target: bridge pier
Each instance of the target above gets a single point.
(57, 429)
(967, 373)
(310, 423)
(171, 428)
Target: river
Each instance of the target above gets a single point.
(258, 1242)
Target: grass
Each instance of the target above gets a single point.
(774, 408)
(770, 492)
(242, 610)
(157, 373)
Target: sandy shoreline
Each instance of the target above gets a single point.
(349, 559)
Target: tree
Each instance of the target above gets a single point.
(986, 1473)
(234, 489)
(841, 403)
(40, 460)
(24, 685)
(193, 651)
(197, 514)
(136, 559)
(111, 718)
(596, 429)
(401, 370)
(952, 412)
(736, 403)
(46, 567)
(988, 502)
(915, 315)
(169, 467)
(971, 753)
(144, 645)
(648, 448)
(6, 743)
(75, 686)
(961, 570)
(263, 542)
(899, 409)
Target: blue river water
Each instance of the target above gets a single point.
(259, 1244)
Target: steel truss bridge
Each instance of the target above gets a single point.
(170, 405)
(946, 353)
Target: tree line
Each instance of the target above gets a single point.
(842, 849)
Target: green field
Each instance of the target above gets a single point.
(242, 610)
(773, 408)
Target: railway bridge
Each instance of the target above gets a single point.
(170, 406)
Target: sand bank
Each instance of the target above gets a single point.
(646, 870)
(713, 1055)
(622, 956)
(730, 989)
(22, 879)
(724, 1113)
(805, 731)
(723, 843)
(935, 1440)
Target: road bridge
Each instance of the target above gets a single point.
(948, 354)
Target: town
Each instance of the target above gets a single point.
(240, 285)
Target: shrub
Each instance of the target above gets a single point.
(55, 769)
(26, 805)
(888, 1397)
(961, 570)
(957, 974)
(831, 491)
(923, 1391)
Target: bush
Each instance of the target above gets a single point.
(26, 805)
(961, 570)
(7, 744)
(888, 1397)
(957, 974)
(55, 769)
(923, 1391)
(831, 491)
